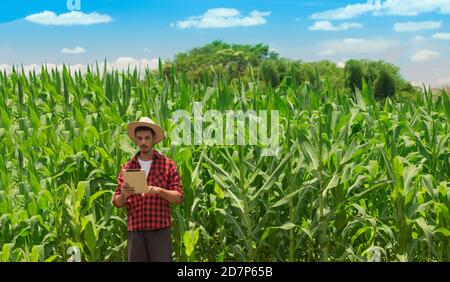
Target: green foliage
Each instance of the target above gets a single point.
(384, 85)
(353, 74)
(246, 63)
(353, 178)
(231, 60)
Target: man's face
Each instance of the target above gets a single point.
(144, 139)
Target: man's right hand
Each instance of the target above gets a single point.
(127, 190)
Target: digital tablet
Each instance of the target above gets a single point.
(136, 178)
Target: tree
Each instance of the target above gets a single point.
(269, 72)
(384, 85)
(233, 61)
(353, 74)
(219, 56)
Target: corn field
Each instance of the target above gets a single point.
(354, 179)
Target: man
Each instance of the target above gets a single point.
(149, 214)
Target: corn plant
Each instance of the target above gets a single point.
(353, 178)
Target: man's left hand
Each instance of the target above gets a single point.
(154, 190)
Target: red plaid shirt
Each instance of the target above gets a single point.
(150, 211)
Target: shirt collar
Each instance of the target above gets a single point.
(155, 155)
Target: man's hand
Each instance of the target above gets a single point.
(154, 190)
(119, 200)
(127, 190)
(171, 196)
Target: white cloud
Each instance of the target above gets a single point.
(26, 68)
(414, 7)
(327, 52)
(417, 83)
(352, 46)
(417, 26)
(5, 67)
(424, 55)
(76, 50)
(327, 26)
(147, 50)
(121, 63)
(340, 65)
(418, 38)
(347, 12)
(442, 36)
(66, 19)
(222, 18)
(443, 81)
(382, 8)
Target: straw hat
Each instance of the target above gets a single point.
(147, 122)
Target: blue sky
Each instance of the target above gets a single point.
(413, 34)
